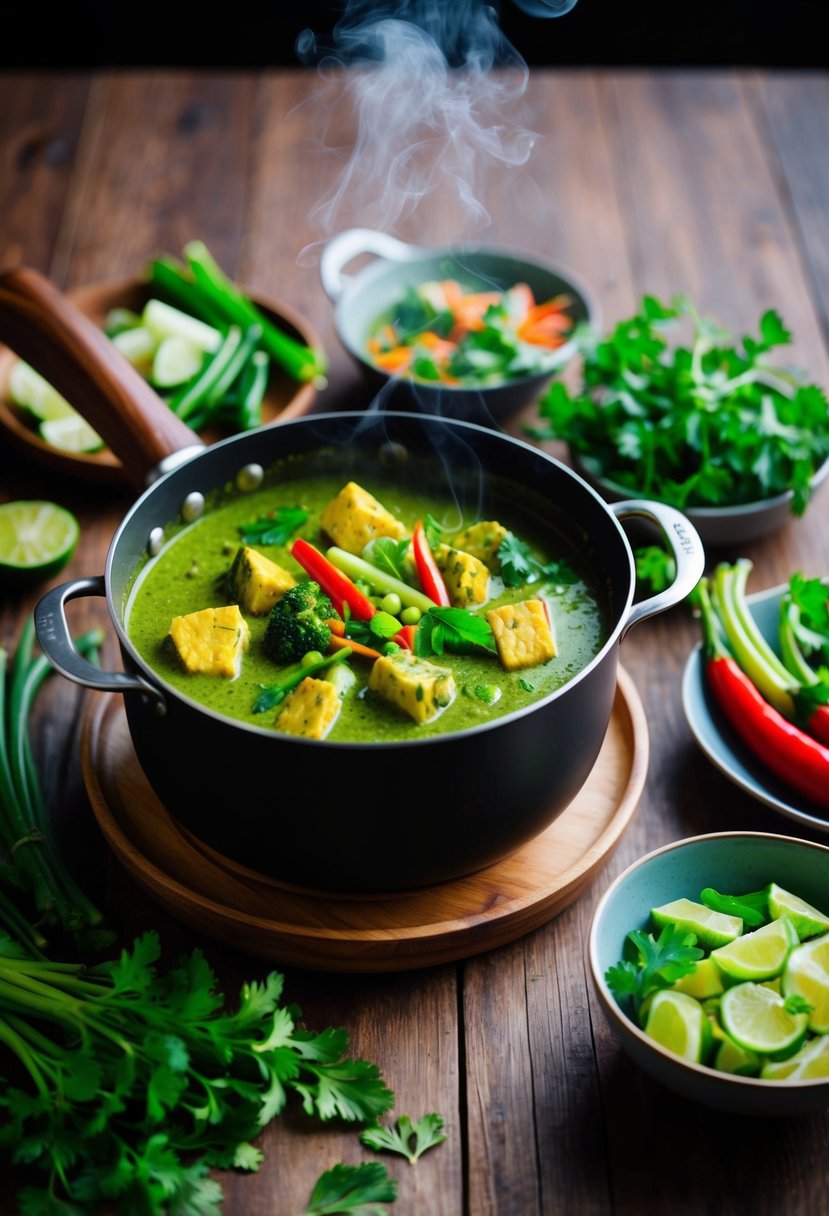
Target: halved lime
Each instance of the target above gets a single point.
(679, 1023)
(759, 955)
(733, 1058)
(808, 920)
(71, 434)
(757, 1019)
(29, 389)
(703, 982)
(176, 361)
(37, 539)
(710, 928)
(164, 320)
(807, 975)
(810, 1063)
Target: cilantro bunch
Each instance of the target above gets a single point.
(709, 423)
(138, 1081)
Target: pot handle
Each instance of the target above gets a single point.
(342, 249)
(55, 641)
(685, 545)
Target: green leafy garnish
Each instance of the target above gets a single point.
(655, 567)
(409, 1139)
(657, 963)
(708, 424)
(275, 528)
(519, 566)
(389, 555)
(454, 630)
(355, 1189)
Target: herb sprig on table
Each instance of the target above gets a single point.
(710, 423)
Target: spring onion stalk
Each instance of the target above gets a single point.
(361, 570)
(751, 649)
(301, 361)
(194, 394)
(173, 280)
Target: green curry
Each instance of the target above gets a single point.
(191, 573)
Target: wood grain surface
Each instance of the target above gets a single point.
(714, 183)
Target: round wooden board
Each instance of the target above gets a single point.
(399, 932)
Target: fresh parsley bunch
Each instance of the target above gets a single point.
(134, 1082)
(711, 423)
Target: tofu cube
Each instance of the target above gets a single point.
(523, 634)
(465, 576)
(483, 540)
(417, 687)
(211, 641)
(310, 710)
(355, 517)
(257, 582)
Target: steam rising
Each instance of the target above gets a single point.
(424, 106)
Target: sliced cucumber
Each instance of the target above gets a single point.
(165, 321)
(176, 361)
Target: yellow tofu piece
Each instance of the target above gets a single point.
(211, 641)
(310, 710)
(466, 577)
(417, 687)
(354, 517)
(257, 582)
(483, 540)
(523, 634)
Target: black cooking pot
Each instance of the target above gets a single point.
(344, 817)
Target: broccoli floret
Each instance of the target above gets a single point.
(298, 622)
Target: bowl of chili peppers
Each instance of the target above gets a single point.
(710, 960)
(755, 690)
(465, 332)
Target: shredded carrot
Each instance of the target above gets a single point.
(339, 643)
(395, 360)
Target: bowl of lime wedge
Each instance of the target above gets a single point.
(710, 959)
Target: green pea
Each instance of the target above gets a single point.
(392, 603)
(312, 656)
(410, 615)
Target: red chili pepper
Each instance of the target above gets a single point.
(790, 753)
(405, 637)
(337, 586)
(431, 579)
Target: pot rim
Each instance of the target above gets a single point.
(359, 416)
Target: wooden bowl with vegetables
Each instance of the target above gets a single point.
(710, 958)
(670, 406)
(467, 332)
(226, 359)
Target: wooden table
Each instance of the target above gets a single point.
(710, 183)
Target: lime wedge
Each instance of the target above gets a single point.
(808, 920)
(757, 1019)
(703, 982)
(37, 539)
(733, 1058)
(165, 321)
(807, 975)
(71, 434)
(710, 928)
(810, 1063)
(29, 389)
(137, 345)
(759, 955)
(176, 361)
(679, 1023)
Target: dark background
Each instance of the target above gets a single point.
(647, 33)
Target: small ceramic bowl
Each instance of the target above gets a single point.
(362, 297)
(730, 862)
(718, 527)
